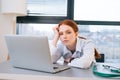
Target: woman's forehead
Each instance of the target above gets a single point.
(64, 28)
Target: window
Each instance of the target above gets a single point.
(105, 37)
(47, 7)
(97, 10)
(99, 20)
(36, 29)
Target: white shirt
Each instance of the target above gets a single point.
(83, 56)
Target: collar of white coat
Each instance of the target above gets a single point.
(78, 47)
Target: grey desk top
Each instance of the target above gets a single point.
(6, 67)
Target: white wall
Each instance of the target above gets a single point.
(6, 27)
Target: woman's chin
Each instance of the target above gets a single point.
(66, 44)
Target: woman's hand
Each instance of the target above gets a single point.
(56, 30)
(68, 60)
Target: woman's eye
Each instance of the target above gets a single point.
(68, 32)
(60, 33)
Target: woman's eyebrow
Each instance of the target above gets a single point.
(65, 31)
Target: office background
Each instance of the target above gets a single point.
(97, 20)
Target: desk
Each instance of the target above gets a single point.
(8, 72)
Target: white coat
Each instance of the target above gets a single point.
(83, 55)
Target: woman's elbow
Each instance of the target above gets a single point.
(81, 64)
(86, 65)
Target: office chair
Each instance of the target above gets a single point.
(102, 59)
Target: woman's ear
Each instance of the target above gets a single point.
(76, 33)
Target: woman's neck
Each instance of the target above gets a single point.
(72, 47)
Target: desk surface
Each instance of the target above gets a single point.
(7, 70)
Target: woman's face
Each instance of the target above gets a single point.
(67, 35)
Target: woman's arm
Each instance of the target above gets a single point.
(55, 51)
(56, 37)
(87, 58)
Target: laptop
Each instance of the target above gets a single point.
(32, 53)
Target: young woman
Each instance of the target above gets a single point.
(76, 51)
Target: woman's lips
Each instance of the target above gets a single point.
(65, 41)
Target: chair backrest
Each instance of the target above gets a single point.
(102, 59)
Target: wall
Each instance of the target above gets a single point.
(6, 27)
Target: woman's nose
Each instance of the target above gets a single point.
(64, 35)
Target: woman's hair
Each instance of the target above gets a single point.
(70, 23)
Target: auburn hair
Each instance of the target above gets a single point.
(70, 23)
